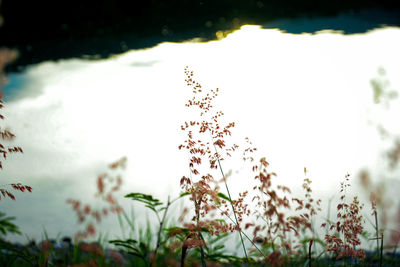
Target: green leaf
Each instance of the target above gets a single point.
(132, 247)
(161, 209)
(184, 194)
(219, 247)
(6, 226)
(151, 207)
(223, 196)
(15, 253)
(148, 200)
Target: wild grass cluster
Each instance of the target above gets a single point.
(264, 225)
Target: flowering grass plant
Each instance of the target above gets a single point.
(268, 223)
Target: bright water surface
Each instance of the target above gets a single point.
(305, 100)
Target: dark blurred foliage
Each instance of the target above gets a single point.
(45, 30)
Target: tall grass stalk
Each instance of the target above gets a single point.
(381, 254)
(377, 231)
(248, 238)
(121, 224)
(230, 198)
(161, 222)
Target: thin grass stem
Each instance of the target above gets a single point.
(245, 235)
(381, 254)
(159, 231)
(230, 198)
(377, 231)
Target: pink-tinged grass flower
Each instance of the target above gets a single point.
(208, 143)
(276, 220)
(106, 187)
(348, 227)
(7, 56)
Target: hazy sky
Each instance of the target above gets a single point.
(304, 101)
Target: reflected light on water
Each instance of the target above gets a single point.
(304, 101)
